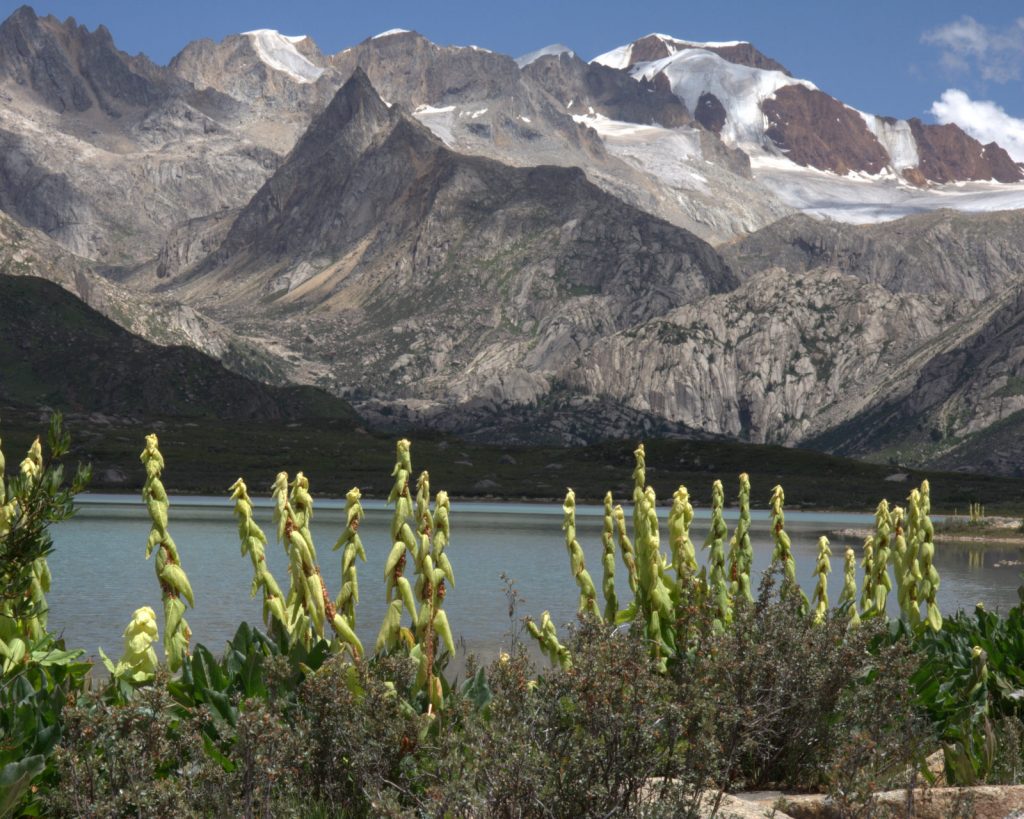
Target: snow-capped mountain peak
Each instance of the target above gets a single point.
(278, 51)
(656, 45)
(754, 103)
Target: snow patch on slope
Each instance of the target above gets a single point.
(668, 154)
(390, 32)
(278, 51)
(674, 42)
(556, 49)
(440, 121)
(616, 58)
(896, 138)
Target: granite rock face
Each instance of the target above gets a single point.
(104, 151)
(971, 255)
(773, 361)
(961, 406)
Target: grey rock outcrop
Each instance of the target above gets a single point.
(783, 355)
(974, 255)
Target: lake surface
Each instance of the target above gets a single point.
(100, 574)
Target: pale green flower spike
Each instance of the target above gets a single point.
(35, 623)
(849, 593)
(783, 553)
(547, 637)
(656, 600)
(32, 465)
(928, 586)
(301, 608)
(398, 592)
(138, 662)
(626, 547)
(880, 582)
(611, 603)
(867, 592)
(684, 558)
(174, 583)
(424, 603)
(823, 570)
(588, 594)
(308, 606)
(348, 597)
(741, 553)
(254, 543)
(718, 582)
(905, 595)
(639, 483)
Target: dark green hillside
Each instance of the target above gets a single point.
(56, 351)
(206, 455)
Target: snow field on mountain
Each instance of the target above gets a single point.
(279, 52)
(666, 153)
(533, 56)
(863, 199)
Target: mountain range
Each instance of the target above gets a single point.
(673, 238)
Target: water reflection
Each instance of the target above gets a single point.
(100, 574)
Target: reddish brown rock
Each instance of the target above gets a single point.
(710, 112)
(950, 155)
(746, 54)
(915, 177)
(649, 48)
(817, 130)
(1004, 168)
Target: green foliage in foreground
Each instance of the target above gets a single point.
(694, 687)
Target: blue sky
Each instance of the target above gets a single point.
(902, 58)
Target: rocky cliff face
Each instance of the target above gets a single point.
(962, 406)
(161, 321)
(659, 46)
(814, 129)
(949, 155)
(70, 68)
(104, 151)
(606, 91)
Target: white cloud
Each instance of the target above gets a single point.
(997, 54)
(983, 120)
